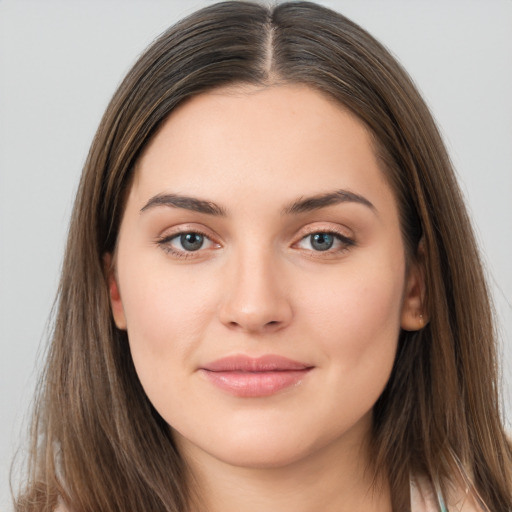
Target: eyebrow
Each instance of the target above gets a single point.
(308, 204)
(185, 202)
(301, 205)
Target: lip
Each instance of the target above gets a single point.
(245, 376)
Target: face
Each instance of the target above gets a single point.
(261, 277)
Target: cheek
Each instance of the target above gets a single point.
(356, 329)
(167, 314)
(357, 317)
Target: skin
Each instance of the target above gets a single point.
(258, 286)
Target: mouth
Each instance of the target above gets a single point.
(244, 376)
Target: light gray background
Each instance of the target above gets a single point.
(60, 62)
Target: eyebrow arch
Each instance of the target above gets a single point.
(308, 204)
(185, 202)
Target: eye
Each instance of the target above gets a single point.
(190, 241)
(185, 243)
(322, 241)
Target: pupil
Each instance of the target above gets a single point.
(191, 241)
(322, 241)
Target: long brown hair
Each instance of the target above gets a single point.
(98, 443)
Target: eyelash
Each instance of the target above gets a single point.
(165, 243)
(345, 242)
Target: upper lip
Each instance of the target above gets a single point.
(265, 363)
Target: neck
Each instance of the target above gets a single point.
(335, 479)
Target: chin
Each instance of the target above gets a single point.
(262, 455)
(258, 447)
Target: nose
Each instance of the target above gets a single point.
(255, 297)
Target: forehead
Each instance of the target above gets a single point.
(285, 140)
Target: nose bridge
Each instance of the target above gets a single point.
(255, 299)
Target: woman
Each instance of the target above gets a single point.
(264, 303)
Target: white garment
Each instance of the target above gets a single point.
(425, 499)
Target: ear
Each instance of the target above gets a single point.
(116, 303)
(414, 316)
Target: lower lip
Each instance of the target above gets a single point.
(255, 384)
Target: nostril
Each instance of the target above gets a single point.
(248, 310)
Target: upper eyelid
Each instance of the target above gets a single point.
(180, 229)
(325, 230)
(336, 229)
